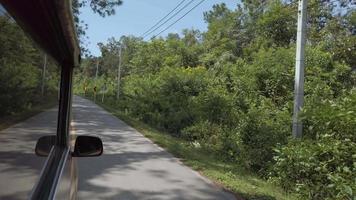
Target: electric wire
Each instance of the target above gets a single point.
(258, 9)
(175, 14)
(180, 18)
(163, 18)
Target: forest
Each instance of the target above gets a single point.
(227, 91)
(24, 83)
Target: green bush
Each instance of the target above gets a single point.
(164, 99)
(239, 103)
(322, 166)
(322, 169)
(215, 105)
(331, 118)
(272, 74)
(262, 129)
(214, 138)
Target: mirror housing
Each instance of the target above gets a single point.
(87, 146)
(44, 145)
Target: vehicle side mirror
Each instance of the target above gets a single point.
(45, 144)
(87, 146)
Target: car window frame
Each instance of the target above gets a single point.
(56, 35)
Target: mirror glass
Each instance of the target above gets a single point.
(44, 145)
(88, 146)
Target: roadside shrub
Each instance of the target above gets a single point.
(178, 86)
(323, 72)
(141, 98)
(317, 169)
(272, 73)
(163, 99)
(215, 105)
(323, 165)
(262, 129)
(18, 84)
(331, 118)
(214, 138)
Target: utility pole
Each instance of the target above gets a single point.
(97, 68)
(119, 73)
(96, 77)
(299, 69)
(44, 74)
(103, 90)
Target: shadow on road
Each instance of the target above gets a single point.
(131, 166)
(19, 166)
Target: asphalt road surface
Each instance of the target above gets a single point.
(132, 167)
(19, 166)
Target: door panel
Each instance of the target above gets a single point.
(67, 187)
(29, 83)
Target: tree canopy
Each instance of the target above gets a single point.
(230, 89)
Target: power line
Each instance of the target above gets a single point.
(175, 14)
(163, 18)
(180, 18)
(258, 9)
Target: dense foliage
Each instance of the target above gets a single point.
(229, 90)
(21, 68)
(21, 61)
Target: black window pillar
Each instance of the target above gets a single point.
(65, 104)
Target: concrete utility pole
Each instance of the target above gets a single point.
(97, 68)
(103, 90)
(299, 69)
(96, 77)
(119, 74)
(44, 74)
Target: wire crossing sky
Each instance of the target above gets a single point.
(185, 14)
(163, 18)
(135, 17)
(175, 14)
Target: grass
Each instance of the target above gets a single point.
(15, 118)
(230, 176)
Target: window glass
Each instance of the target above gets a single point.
(28, 98)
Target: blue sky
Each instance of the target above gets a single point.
(134, 17)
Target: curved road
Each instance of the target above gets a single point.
(132, 167)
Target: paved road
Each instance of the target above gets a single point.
(132, 167)
(19, 166)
